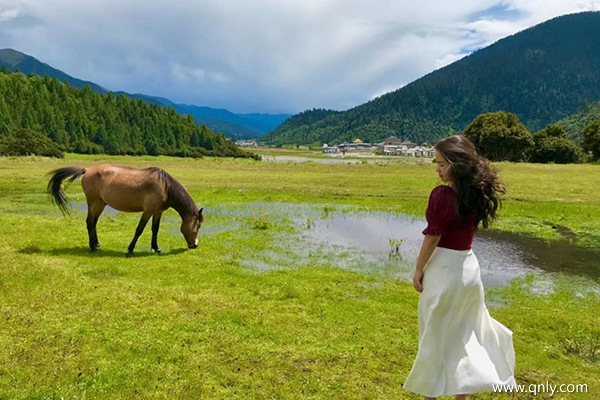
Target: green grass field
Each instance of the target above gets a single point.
(199, 324)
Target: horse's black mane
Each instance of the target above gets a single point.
(177, 196)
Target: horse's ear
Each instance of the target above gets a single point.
(200, 215)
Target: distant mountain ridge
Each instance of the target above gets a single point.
(234, 126)
(14, 60)
(257, 122)
(542, 74)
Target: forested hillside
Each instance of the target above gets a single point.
(82, 121)
(542, 75)
(233, 126)
(575, 123)
(300, 128)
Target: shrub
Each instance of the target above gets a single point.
(591, 139)
(26, 142)
(500, 136)
(552, 145)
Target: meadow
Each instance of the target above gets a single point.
(199, 324)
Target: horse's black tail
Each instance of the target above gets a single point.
(55, 185)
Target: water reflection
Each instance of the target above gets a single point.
(370, 235)
(83, 207)
(502, 256)
(361, 241)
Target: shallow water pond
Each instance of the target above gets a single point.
(381, 243)
(385, 243)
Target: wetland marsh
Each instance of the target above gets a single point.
(292, 293)
(363, 241)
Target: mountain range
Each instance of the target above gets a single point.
(543, 74)
(234, 126)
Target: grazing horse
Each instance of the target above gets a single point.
(148, 190)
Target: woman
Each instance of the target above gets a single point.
(462, 349)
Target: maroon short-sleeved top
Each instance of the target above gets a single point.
(442, 220)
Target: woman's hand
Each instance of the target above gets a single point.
(418, 281)
(428, 246)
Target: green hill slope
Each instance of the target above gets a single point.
(542, 74)
(575, 123)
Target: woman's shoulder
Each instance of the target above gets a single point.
(442, 196)
(442, 191)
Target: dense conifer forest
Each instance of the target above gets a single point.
(82, 121)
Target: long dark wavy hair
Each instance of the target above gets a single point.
(476, 183)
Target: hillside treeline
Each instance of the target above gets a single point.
(575, 124)
(369, 122)
(82, 121)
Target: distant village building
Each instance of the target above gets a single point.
(330, 149)
(392, 141)
(246, 143)
(356, 145)
(393, 146)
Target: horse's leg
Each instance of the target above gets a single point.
(155, 225)
(91, 222)
(138, 231)
(94, 211)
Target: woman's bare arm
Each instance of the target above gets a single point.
(429, 244)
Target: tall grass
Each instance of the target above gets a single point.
(199, 324)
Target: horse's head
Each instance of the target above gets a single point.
(189, 228)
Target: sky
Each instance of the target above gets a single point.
(263, 56)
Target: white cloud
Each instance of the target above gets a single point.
(7, 14)
(448, 59)
(264, 55)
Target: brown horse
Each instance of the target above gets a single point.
(149, 190)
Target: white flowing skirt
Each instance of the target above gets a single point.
(462, 349)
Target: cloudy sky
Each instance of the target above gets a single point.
(270, 56)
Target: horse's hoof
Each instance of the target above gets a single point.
(92, 250)
(158, 251)
(97, 245)
(129, 255)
